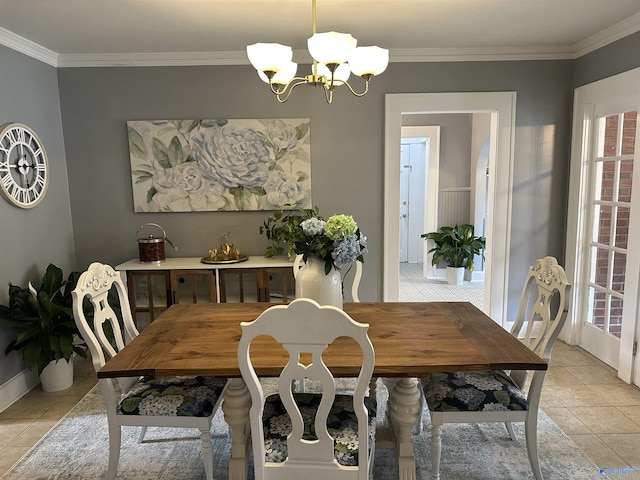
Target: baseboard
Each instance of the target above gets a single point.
(17, 387)
(477, 276)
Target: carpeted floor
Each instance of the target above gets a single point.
(77, 449)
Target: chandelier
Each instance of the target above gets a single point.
(335, 56)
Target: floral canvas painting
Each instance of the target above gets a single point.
(220, 165)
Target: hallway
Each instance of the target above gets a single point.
(415, 288)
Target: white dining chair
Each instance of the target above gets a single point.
(355, 285)
(138, 401)
(311, 436)
(497, 395)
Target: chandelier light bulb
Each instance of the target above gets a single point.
(331, 47)
(369, 61)
(269, 57)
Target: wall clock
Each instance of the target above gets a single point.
(24, 168)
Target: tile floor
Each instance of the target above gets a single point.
(27, 420)
(594, 407)
(581, 394)
(414, 287)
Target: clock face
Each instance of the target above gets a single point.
(24, 169)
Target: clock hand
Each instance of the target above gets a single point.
(23, 167)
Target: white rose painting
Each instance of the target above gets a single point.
(220, 165)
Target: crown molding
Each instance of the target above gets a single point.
(168, 59)
(609, 35)
(411, 55)
(479, 54)
(29, 48)
(415, 55)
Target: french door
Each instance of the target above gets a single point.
(607, 257)
(610, 210)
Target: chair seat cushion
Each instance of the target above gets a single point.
(489, 390)
(342, 424)
(173, 396)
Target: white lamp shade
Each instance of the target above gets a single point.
(269, 56)
(369, 60)
(331, 47)
(283, 76)
(340, 76)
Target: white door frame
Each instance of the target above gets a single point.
(502, 106)
(608, 90)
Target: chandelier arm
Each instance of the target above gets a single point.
(328, 95)
(288, 88)
(366, 89)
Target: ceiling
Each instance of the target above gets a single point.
(179, 32)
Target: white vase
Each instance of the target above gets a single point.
(455, 275)
(56, 376)
(311, 282)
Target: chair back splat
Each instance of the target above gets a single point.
(317, 435)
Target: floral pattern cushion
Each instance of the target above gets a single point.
(173, 396)
(490, 390)
(342, 424)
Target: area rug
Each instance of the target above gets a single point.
(77, 449)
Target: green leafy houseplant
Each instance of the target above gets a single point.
(456, 246)
(284, 228)
(44, 320)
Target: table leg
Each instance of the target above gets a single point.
(404, 411)
(235, 406)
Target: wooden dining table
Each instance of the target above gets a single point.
(410, 340)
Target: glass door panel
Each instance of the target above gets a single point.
(610, 213)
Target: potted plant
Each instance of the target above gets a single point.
(47, 332)
(283, 228)
(456, 246)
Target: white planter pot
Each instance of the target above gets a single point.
(57, 376)
(455, 275)
(311, 282)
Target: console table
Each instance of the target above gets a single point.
(175, 270)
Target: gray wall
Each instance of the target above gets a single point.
(347, 151)
(455, 146)
(31, 239)
(610, 60)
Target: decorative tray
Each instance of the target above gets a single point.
(215, 261)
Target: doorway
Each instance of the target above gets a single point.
(501, 106)
(439, 190)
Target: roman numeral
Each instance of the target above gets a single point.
(17, 135)
(39, 183)
(7, 181)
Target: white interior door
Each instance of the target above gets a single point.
(412, 198)
(405, 173)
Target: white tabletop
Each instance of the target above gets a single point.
(194, 263)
